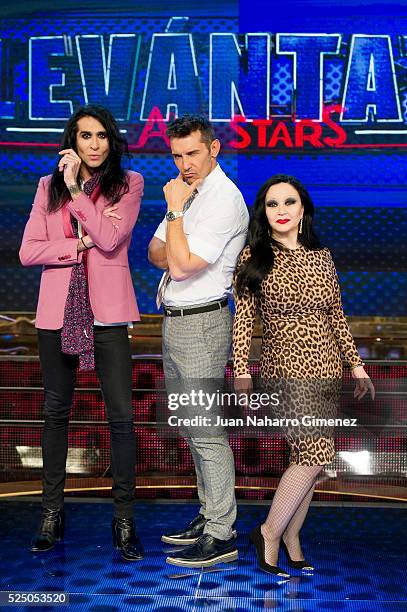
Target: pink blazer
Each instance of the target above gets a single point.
(48, 240)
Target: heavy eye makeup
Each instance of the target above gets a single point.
(87, 135)
(273, 203)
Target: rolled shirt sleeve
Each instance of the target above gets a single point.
(210, 236)
(161, 230)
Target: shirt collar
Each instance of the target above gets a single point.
(210, 180)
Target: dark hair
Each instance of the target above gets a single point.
(113, 180)
(185, 125)
(252, 272)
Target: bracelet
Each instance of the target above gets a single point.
(358, 365)
(86, 247)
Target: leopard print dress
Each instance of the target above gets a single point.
(304, 334)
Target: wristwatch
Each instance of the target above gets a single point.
(174, 214)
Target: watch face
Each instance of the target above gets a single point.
(171, 215)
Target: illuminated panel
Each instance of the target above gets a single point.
(321, 99)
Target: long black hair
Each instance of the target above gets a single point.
(252, 272)
(113, 180)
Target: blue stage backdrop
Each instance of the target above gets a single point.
(314, 89)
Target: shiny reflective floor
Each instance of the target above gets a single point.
(359, 554)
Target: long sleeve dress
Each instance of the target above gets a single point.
(304, 335)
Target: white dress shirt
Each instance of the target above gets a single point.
(215, 226)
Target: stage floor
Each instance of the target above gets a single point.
(358, 552)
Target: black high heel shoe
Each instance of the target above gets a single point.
(126, 540)
(257, 539)
(295, 564)
(51, 530)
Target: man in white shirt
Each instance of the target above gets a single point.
(197, 244)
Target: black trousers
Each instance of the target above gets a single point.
(114, 371)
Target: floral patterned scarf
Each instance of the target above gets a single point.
(77, 330)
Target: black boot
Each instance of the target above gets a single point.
(51, 529)
(126, 540)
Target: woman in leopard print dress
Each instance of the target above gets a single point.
(290, 279)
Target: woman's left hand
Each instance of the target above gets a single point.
(363, 383)
(69, 164)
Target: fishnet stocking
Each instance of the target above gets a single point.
(291, 534)
(295, 485)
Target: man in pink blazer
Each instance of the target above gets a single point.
(49, 241)
(80, 230)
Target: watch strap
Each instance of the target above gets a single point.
(174, 214)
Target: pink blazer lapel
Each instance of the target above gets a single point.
(95, 193)
(66, 221)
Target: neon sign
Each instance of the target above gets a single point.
(145, 84)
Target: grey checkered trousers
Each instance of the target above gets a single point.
(197, 347)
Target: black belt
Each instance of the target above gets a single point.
(183, 312)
